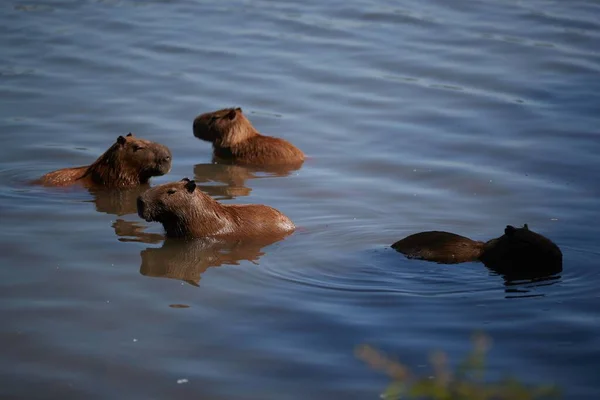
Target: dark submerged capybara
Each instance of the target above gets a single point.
(519, 252)
(234, 138)
(130, 161)
(441, 247)
(185, 211)
(522, 252)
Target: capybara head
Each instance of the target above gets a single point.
(521, 251)
(146, 157)
(224, 127)
(176, 205)
(131, 160)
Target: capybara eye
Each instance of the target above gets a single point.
(171, 191)
(136, 147)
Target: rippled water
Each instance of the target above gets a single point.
(462, 116)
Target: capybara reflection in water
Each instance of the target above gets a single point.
(519, 252)
(130, 161)
(185, 211)
(234, 138)
(234, 178)
(118, 202)
(187, 260)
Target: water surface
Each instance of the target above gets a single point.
(455, 115)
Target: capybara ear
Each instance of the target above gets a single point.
(239, 109)
(509, 230)
(129, 134)
(525, 227)
(121, 140)
(231, 114)
(185, 180)
(190, 186)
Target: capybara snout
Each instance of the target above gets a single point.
(150, 158)
(141, 207)
(167, 202)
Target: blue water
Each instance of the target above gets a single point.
(453, 115)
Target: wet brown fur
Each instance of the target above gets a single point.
(185, 211)
(442, 247)
(234, 138)
(130, 161)
(518, 251)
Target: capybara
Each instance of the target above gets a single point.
(519, 251)
(185, 211)
(130, 161)
(234, 138)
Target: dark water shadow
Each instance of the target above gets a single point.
(524, 277)
(231, 178)
(187, 260)
(525, 286)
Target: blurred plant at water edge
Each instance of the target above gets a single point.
(465, 383)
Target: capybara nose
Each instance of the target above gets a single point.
(140, 207)
(166, 159)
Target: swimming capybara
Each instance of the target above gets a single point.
(185, 211)
(234, 138)
(130, 161)
(519, 251)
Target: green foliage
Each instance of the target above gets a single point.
(467, 382)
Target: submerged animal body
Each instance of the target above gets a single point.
(185, 211)
(519, 251)
(129, 162)
(234, 138)
(441, 247)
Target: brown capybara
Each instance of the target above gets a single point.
(234, 138)
(185, 211)
(130, 161)
(519, 252)
(441, 247)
